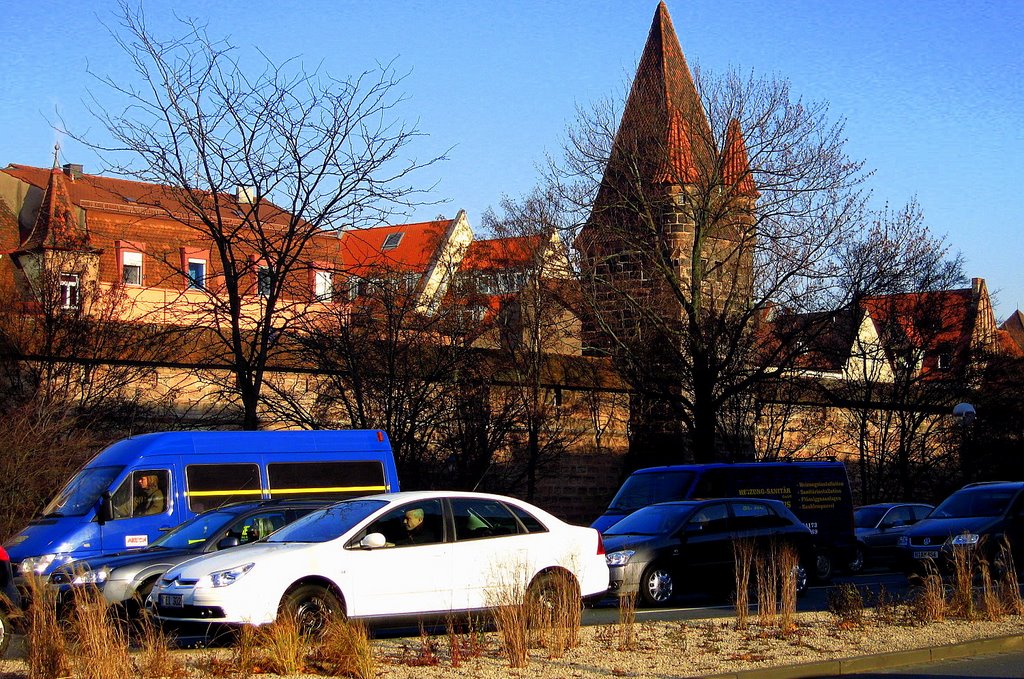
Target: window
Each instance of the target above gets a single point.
(755, 516)
(392, 241)
(143, 492)
(131, 268)
(257, 526)
(69, 291)
(710, 519)
(323, 286)
(212, 485)
(943, 361)
(476, 519)
(264, 281)
(197, 274)
(417, 523)
(326, 479)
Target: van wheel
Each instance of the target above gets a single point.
(822, 567)
(801, 579)
(313, 608)
(657, 585)
(5, 634)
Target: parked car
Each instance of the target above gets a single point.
(387, 559)
(658, 550)
(127, 578)
(979, 514)
(879, 527)
(818, 493)
(10, 601)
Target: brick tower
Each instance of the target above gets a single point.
(669, 242)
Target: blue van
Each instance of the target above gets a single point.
(144, 485)
(817, 492)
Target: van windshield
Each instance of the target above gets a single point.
(641, 490)
(82, 492)
(327, 524)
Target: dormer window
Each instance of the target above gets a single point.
(392, 241)
(323, 286)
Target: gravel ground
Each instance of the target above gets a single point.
(661, 649)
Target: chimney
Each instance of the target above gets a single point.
(976, 284)
(73, 170)
(245, 194)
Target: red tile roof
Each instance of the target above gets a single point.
(123, 195)
(502, 253)
(363, 249)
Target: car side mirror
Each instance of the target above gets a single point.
(373, 541)
(228, 542)
(103, 512)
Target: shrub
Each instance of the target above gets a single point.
(846, 604)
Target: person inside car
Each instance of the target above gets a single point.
(416, 531)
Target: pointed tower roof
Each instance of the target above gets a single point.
(664, 113)
(56, 224)
(735, 164)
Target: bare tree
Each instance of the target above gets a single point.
(257, 165)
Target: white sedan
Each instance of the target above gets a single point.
(387, 559)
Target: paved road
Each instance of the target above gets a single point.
(996, 665)
(691, 607)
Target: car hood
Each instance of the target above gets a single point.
(261, 552)
(615, 543)
(141, 557)
(946, 527)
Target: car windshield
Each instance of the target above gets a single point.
(868, 517)
(194, 532)
(971, 502)
(82, 492)
(654, 520)
(641, 490)
(327, 524)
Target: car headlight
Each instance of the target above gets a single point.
(903, 541)
(965, 539)
(620, 558)
(42, 563)
(97, 577)
(225, 577)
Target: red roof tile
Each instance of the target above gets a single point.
(736, 165)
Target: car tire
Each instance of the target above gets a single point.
(313, 608)
(657, 585)
(856, 564)
(553, 596)
(802, 579)
(6, 631)
(822, 567)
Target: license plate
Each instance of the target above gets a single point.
(171, 600)
(927, 554)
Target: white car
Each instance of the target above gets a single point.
(387, 559)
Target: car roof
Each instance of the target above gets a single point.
(890, 505)
(247, 505)
(1000, 485)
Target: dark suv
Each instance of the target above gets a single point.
(980, 514)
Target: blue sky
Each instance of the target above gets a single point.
(931, 91)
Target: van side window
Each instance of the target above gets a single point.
(337, 480)
(213, 485)
(143, 492)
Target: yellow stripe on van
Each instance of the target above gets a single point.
(338, 489)
(295, 491)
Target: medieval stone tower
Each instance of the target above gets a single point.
(669, 243)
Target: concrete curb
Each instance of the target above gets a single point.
(882, 661)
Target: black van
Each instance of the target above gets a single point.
(817, 492)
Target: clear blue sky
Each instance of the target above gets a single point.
(932, 91)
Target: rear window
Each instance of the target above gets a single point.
(641, 490)
(974, 502)
(338, 480)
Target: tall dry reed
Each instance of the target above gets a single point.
(743, 559)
